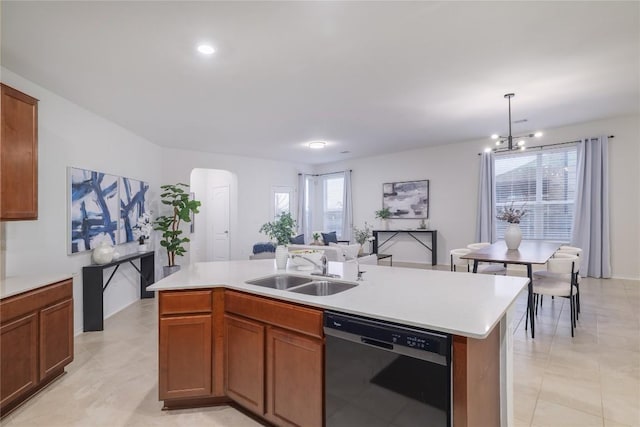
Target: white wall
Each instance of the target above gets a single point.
(453, 173)
(255, 179)
(72, 136)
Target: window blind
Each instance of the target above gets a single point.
(544, 182)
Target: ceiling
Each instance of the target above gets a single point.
(368, 77)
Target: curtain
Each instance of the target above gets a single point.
(347, 208)
(590, 230)
(486, 218)
(301, 217)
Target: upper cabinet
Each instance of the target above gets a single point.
(18, 156)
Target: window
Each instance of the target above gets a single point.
(281, 200)
(324, 203)
(332, 203)
(545, 183)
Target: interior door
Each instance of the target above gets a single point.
(219, 246)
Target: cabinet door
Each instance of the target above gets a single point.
(18, 156)
(185, 357)
(244, 362)
(56, 337)
(18, 357)
(294, 379)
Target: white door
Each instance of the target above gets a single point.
(218, 246)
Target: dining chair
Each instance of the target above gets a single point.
(560, 284)
(487, 268)
(456, 261)
(565, 251)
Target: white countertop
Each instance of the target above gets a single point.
(459, 303)
(18, 284)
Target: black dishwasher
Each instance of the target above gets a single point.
(383, 374)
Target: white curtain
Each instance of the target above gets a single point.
(301, 220)
(590, 230)
(347, 208)
(486, 218)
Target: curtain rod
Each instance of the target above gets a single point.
(322, 174)
(541, 147)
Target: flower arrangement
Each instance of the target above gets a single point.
(362, 235)
(511, 215)
(142, 230)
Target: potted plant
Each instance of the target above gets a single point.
(281, 231)
(513, 234)
(316, 239)
(384, 214)
(174, 196)
(362, 235)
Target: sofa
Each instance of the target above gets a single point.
(336, 253)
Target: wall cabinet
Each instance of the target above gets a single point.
(18, 156)
(36, 341)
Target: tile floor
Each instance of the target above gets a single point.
(590, 380)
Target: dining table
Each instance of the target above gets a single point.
(528, 253)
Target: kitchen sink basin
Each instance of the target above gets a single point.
(280, 281)
(323, 288)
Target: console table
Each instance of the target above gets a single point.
(412, 233)
(93, 286)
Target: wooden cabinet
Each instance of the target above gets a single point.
(294, 379)
(288, 390)
(36, 341)
(190, 347)
(185, 356)
(244, 362)
(18, 156)
(19, 361)
(56, 337)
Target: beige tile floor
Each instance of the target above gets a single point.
(591, 379)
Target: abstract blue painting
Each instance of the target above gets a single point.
(93, 209)
(132, 206)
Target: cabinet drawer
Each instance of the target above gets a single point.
(284, 314)
(184, 302)
(31, 301)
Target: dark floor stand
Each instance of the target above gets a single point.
(93, 286)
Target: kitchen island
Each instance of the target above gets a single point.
(209, 319)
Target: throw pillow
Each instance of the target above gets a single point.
(298, 240)
(329, 238)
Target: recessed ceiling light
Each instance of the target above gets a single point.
(537, 134)
(206, 49)
(495, 136)
(487, 150)
(316, 145)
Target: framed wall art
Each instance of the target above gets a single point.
(407, 199)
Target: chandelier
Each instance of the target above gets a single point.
(510, 138)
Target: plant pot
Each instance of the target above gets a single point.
(168, 270)
(513, 236)
(143, 248)
(384, 224)
(282, 254)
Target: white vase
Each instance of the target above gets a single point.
(384, 224)
(143, 248)
(282, 254)
(513, 236)
(104, 253)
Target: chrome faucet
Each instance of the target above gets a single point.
(322, 266)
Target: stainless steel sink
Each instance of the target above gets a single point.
(323, 288)
(280, 281)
